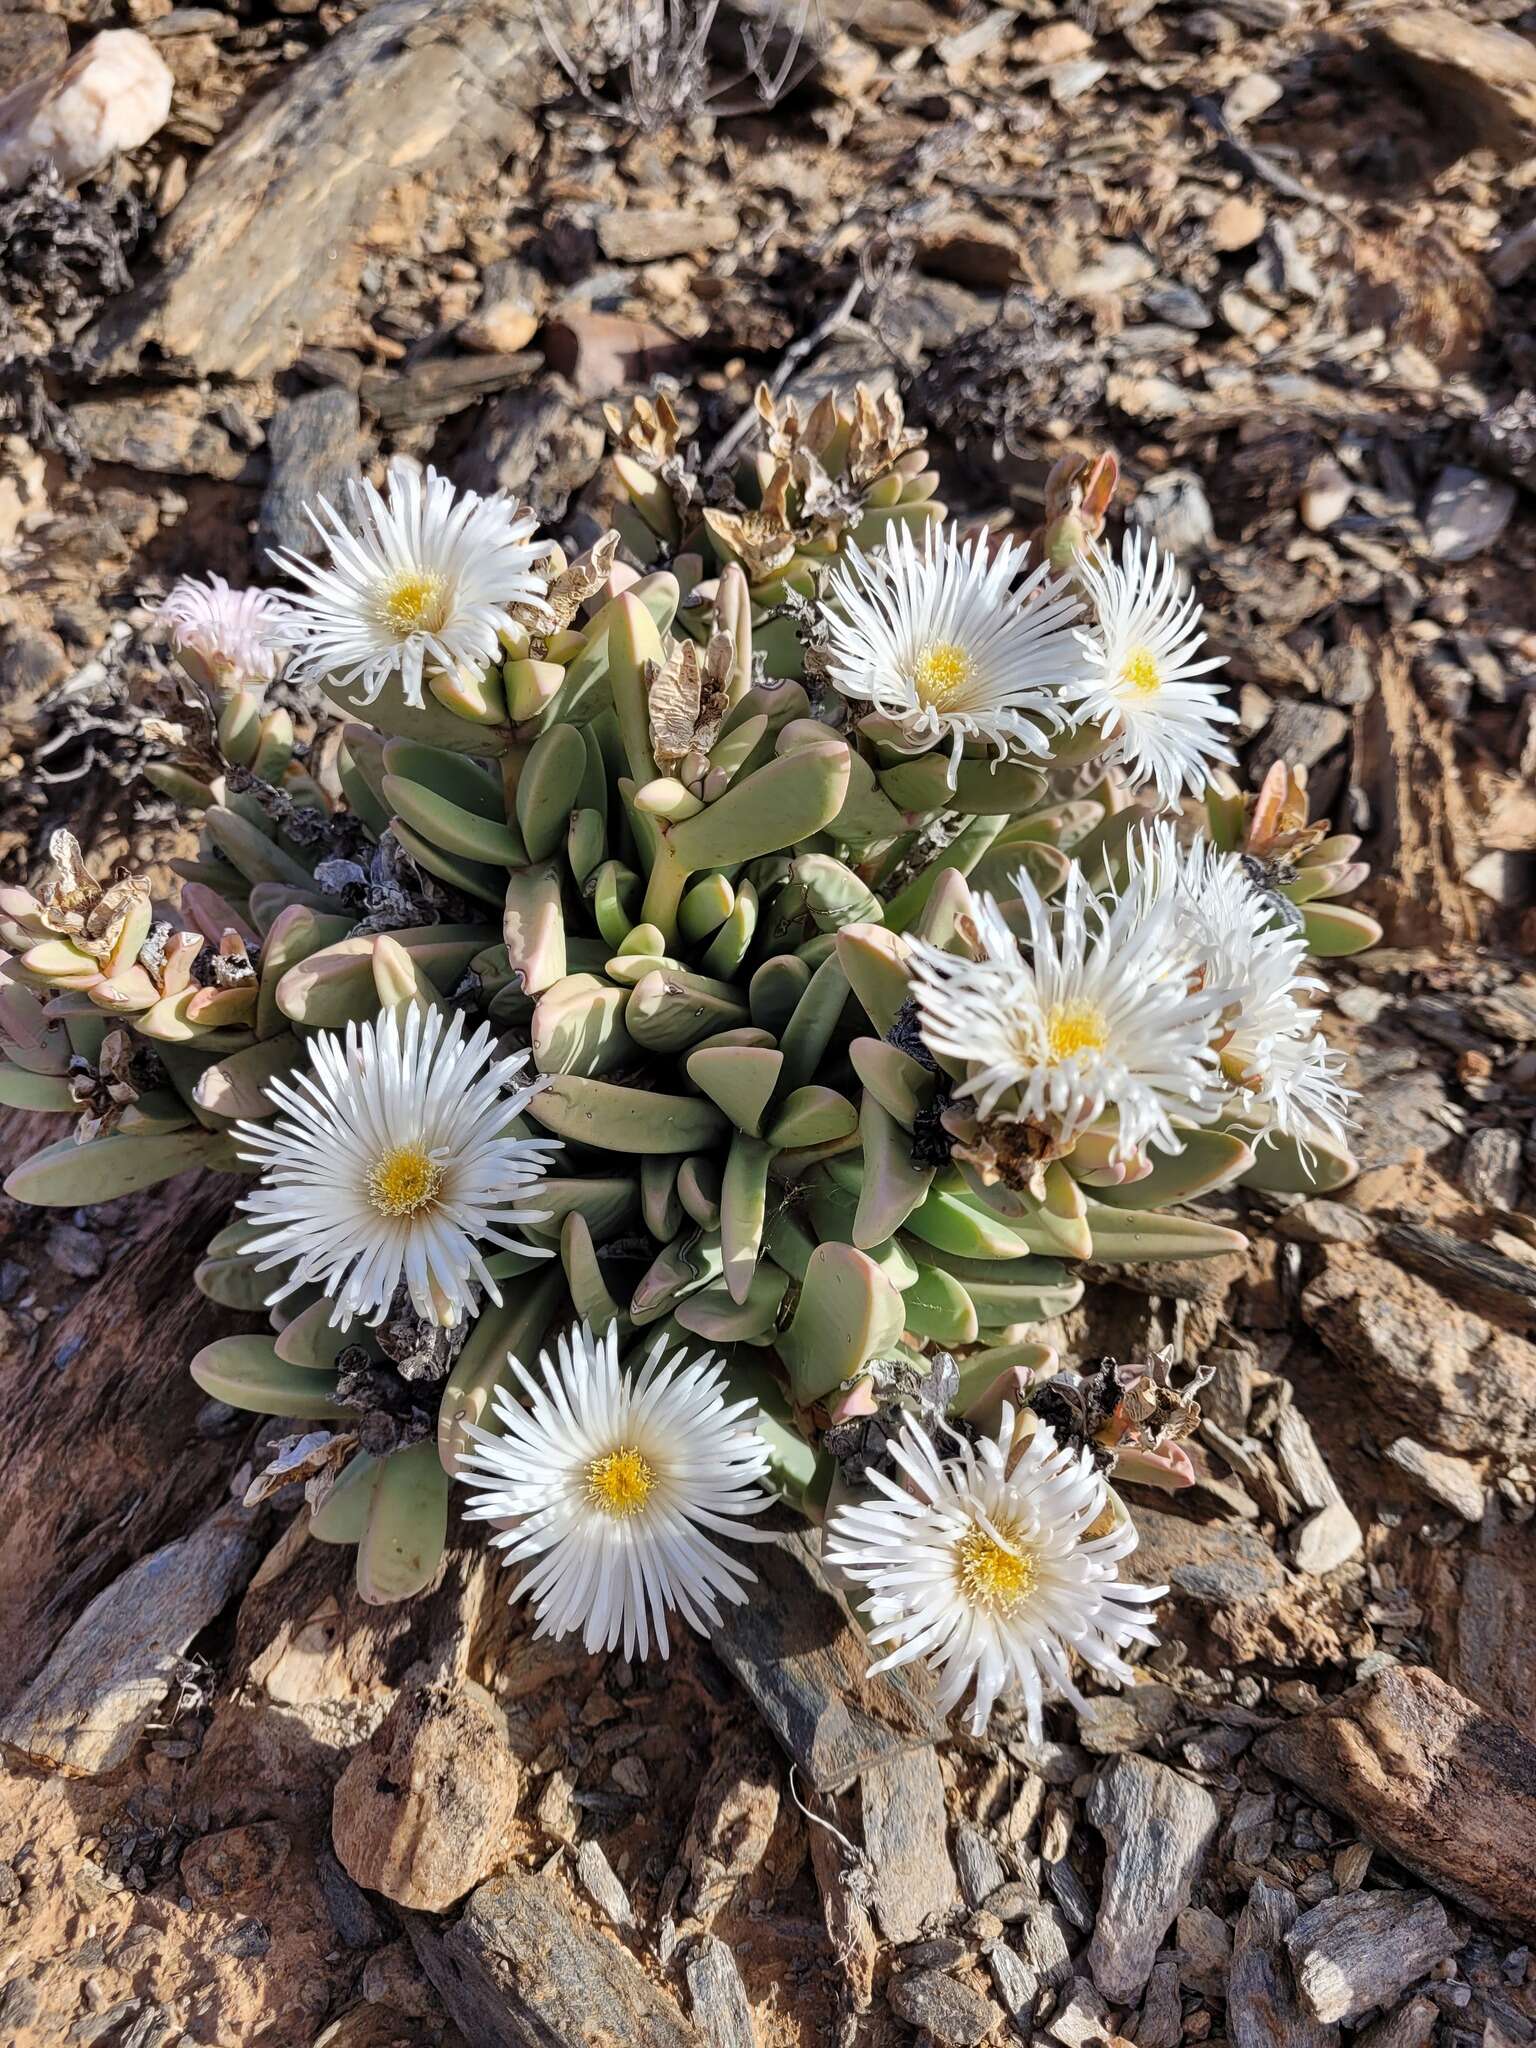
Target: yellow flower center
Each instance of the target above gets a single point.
(404, 1182)
(620, 1482)
(1141, 672)
(1075, 1028)
(991, 1574)
(941, 674)
(415, 602)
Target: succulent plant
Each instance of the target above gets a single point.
(650, 845)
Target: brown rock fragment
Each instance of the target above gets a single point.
(500, 329)
(262, 253)
(602, 352)
(425, 1806)
(236, 1860)
(1236, 224)
(1484, 74)
(1446, 1373)
(165, 433)
(1446, 1788)
(646, 235)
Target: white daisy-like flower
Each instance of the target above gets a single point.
(1215, 909)
(392, 1161)
(238, 633)
(422, 579)
(1144, 683)
(611, 1488)
(1236, 938)
(1279, 1064)
(1090, 1018)
(935, 638)
(997, 1565)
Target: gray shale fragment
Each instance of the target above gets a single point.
(719, 1999)
(1157, 1827)
(1263, 2008)
(86, 1709)
(519, 1966)
(1409, 2025)
(1017, 1987)
(804, 1665)
(951, 2011)
(1160, 2023)
(1042, 1945)
(905, 1831)
(1359, 1951)
(599, 1880)
(979, 1865)
(313, 445)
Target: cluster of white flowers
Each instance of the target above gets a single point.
(938, 639)
(422, 579)
(949, 640)
(611, 1486)
(1232, 937)
(1182, 995)
(1179, 997)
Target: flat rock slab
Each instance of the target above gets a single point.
(806, 1667)
(261, 254)
(1157, 1827)
(1443, 1786)
(1361, 1949)
(520, 1967)
(86, 1709)
(1211, 1564)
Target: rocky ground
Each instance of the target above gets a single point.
(1279, 255)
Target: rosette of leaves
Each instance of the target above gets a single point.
(632, 847)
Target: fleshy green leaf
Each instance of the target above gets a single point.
(246, 1372)
(70, 1176)
(848, 1313)
(407, 1528)
(1279, 1168)
(618, 1119)
(1210, 1159)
